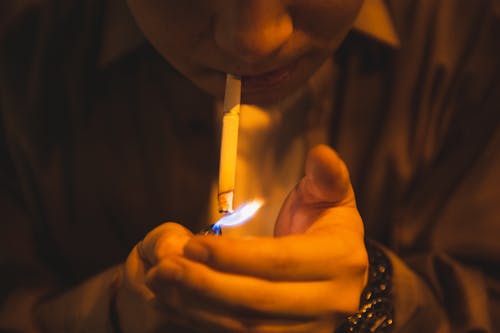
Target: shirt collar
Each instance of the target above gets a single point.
(375, 21)
(121, 34)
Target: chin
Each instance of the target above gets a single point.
(268, 97)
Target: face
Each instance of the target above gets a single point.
(274, 45)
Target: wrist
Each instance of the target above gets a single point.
(376, 309)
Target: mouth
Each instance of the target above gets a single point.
(266, 80)
(268, 85)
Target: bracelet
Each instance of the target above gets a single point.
(376, 311)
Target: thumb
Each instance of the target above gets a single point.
(326, 177)
(325, 185)
(168, 239)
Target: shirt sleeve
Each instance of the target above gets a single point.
(444, 239)
(33, 296)
(27, 286)
(452, 285)
(89, 307)
(23, 276)
(26, 280)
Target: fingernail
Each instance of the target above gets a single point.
(196, 251)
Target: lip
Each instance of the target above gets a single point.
(268, 79)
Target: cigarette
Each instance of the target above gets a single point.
(229, 143)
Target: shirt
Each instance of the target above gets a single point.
(414, 118)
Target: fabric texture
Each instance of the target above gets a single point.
(94, 153)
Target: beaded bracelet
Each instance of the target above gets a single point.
(376, 311)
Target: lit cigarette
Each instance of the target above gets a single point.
(229, 143)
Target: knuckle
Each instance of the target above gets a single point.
(347, 288)
(345, 300)
(358, 261)
(248, 325)
(164, 246)
(281, 260)
(170, 243)
(282, 267)
(351, 305)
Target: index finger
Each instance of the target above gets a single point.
(290, 258)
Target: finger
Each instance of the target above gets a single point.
(207, 319)
(134, 275)
(190, 310)
(252, 295)
(218, 323)
(166, 239)
(326, 177)
(294, 258)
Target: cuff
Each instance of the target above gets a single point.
(416, 307)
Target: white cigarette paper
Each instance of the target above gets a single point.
(229, 143)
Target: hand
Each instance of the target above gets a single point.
(136, 304)
(301, 281)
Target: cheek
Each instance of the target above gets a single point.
(325, 21)
(172, 26)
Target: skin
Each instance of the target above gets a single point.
(246, 38)
(303, 280)
(312, 273)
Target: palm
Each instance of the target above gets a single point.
(323, 196)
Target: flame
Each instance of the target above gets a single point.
(240, 215)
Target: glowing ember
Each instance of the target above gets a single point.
(240, 215)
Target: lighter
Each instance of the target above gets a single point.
(213, 229)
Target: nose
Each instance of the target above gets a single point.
(252, 30)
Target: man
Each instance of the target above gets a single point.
(103, 140)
